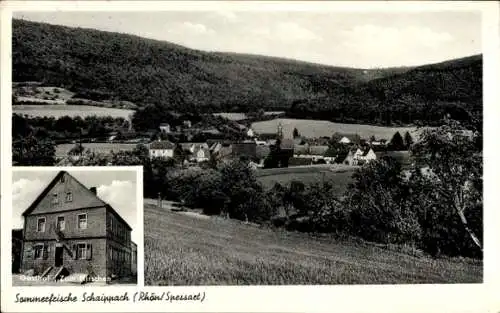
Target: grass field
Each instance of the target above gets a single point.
(242, 116)
(63, 149)
(339, 175)
(315, 128)
(182, 249)
(69, 110)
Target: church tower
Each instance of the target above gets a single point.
(280, 131)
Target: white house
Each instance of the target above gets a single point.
(161, 149)
(165, 128)
(200, 154)
(345, 140)
(359, 157)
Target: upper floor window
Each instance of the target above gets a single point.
(55, 199)
(62, 179)
(60, 223)
(40, 226)
(69, 196)
(82, 221)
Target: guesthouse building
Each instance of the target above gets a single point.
(69, 230)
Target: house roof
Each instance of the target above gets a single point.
(262, 151)
(318, 150)
(225, 151)
(97, 202)
(366, 151)
(301, 148)
(164, 144)
(287, 144)
(402, 157)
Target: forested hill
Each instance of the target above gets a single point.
(174, 77)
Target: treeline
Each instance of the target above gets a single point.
(67, 127)
(34, 138)
(100, 65)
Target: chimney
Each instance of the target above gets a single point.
(93, 190)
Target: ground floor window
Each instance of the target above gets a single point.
(38, 251)
(81, 251)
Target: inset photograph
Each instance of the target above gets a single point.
(74, 227)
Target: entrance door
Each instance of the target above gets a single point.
(59, 256)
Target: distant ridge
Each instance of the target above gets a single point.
(147, 71)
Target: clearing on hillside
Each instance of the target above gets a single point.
(316, 128)
(58, 111)
(184, 250)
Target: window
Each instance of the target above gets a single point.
(69, 197)
(38, 251)
(81, 251)
(82, 221)
(60, 223)
(55, 199)
(40, 227)
(62, 179)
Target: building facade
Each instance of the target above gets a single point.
(161, 149)
(68, 230)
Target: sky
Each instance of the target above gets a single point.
(361, 40)
(117, 188)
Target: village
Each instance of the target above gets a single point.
(213, 146)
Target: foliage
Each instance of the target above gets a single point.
(455, 165)
(378, 211)
(101, 65)
(397, 142)
(33, 150)
(408, 139)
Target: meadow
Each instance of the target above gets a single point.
(339, 175)
(105, 148)
(57, 111)
(182, 249)
(241, 116)
(317, 128)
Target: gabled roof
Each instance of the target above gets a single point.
(97, 202)
(164, 144)
(366, 151)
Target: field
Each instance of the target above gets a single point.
(242, 116)
(315, 128)
(69, 110)
(63, 149)
(183, 249)
(339, 175)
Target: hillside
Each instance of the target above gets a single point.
(182, 249)
(101, 65)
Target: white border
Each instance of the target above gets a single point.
(395, 298)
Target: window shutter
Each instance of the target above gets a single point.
(74, 251)
(45, 251)
(89, 251)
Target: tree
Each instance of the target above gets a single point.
(377, 203)
(397, 142)
(295, 133)
(408, 140)
(76, 150)
(456, 166)
(33, 151)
